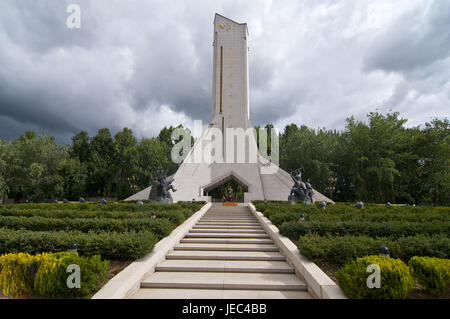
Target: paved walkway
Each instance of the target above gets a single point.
(227, 254)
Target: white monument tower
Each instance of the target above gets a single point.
(228, 137)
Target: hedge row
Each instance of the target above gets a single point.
(395, 277)
(394, 229)
(349, 210)
(383, 216)
(342, 249)
(176, 216)
(124, 207)
(432, 273)
(395, 281)
(46, 274)
(282, 214)
(160, 226)
(110, 245)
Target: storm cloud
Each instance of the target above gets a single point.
(148, 64)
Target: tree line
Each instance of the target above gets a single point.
(377, 160)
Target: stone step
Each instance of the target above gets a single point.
(229, 213)
(173, 293)
(228, 241)
(225, 255)
(228, 218)
(253, 221)
(218, 226)
(226, 224)
(223, 280)
(228, 230)
(249, 221)
(225, 266)
(227, 210)
(262, 266)
(228, 247)
(225, 235)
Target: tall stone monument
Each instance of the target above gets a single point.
(236, 158)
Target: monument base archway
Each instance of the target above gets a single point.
(218, 191)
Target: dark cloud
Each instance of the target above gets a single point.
(148, 64)
(417, 39)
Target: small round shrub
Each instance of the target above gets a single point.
(432, 273)
(51, 277)
(396, 280)
(293, 230)
(16, 274)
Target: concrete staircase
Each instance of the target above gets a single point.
(227, 254)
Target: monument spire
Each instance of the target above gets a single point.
(230, 74)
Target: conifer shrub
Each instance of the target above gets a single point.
(16, 274)
(342, 249)
(432, 273)
(396, 280)
(46, 274)
(52, 276)
(110, 245)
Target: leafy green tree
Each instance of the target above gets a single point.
(435, 161)
(5, 151)
(34, 167)
(309, 150)
(165, 136)
(102, 166)
(151, 157)
(74, 175)
(126, 158)
(81, 147)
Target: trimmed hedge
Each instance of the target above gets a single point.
(124, 231)
(51, 277)
(345, 212)
(110, 207)
(160, 226)
(396, 280)
(110, 245)
(47, 275)
(382, 229)
(432, 273)
(376, 216)
(16, 274)
(174, 215)
(342, 249)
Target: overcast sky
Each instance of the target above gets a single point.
(148, 64)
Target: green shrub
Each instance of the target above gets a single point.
(396, 279)
(371, 212)
(432, 273)
(336, 249)
(279, 218)
(160, 226)
(96, 206)
(51, 277)
(16, 274)
(110, 245)
(293, 230)
(46, 274)
(342, 249)
(373, 229)
(421, 245)
(172, 214)
(176, 217)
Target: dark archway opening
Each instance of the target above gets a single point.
(219, 190)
